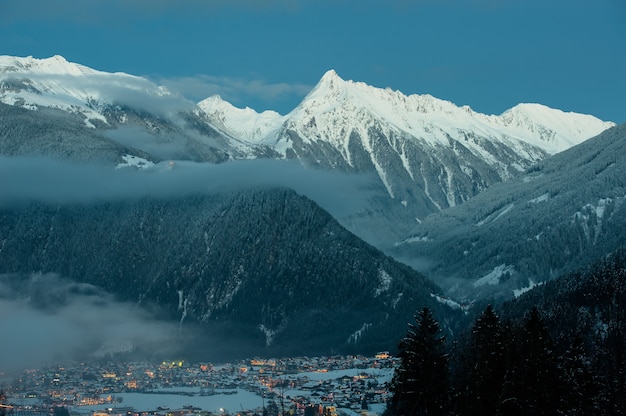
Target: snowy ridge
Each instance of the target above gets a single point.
(448, 153)
(552, 129)
(245, 124)
(57, 65)
(336, 107)
(56, 83)
(427, 154)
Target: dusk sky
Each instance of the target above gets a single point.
(267, 54)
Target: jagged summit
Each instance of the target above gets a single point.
(330, 81)
(242, 123)
(54, 65)
(434, 120)
(330, 76)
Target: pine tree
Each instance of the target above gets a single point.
(581, 387)
(485, 365)
(532, 379)
(420, 383)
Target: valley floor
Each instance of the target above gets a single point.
(328, 385)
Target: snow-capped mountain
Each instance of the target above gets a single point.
(127, 109)
(426, 117)
(424, 154)
(421, 144)
(56, 83)
(245, 124)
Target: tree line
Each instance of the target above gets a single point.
(523, 366)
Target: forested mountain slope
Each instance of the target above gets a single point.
(563, 213)
(260, 271)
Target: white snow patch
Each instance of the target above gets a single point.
(518, 292)
(396, 300)
(493, 277)
(541, 198)
(426, 191)
(385, 282)
(410, 240)
(406, 164)
(494, 216)
(180, 299)
(449, 302)
(504, 211)
(601, 207)
(182, 304)
(354, 338)
(269, 334)
(134, 161)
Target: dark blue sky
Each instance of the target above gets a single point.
(267, 54)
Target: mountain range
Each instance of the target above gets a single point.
(487, 206)
(423, 154)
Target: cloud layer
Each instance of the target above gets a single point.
(45, 318)
(236, 90)
(50, 181)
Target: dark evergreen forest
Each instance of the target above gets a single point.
(557, 350)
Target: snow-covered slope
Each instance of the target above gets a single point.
(419, 145)
(333, 101)
(56, 83)
(553, 130)
(245, 124)
(567, 211)
(127, 109)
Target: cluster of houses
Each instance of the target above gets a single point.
(307, 386)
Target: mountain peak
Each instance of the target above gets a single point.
(330, 90)
(213, 100)
(330, 76)
(54, 65)
(553, 129)
(330, 81)
(58, 58)
(242, 123)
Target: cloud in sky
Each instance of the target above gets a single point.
(237, 91)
